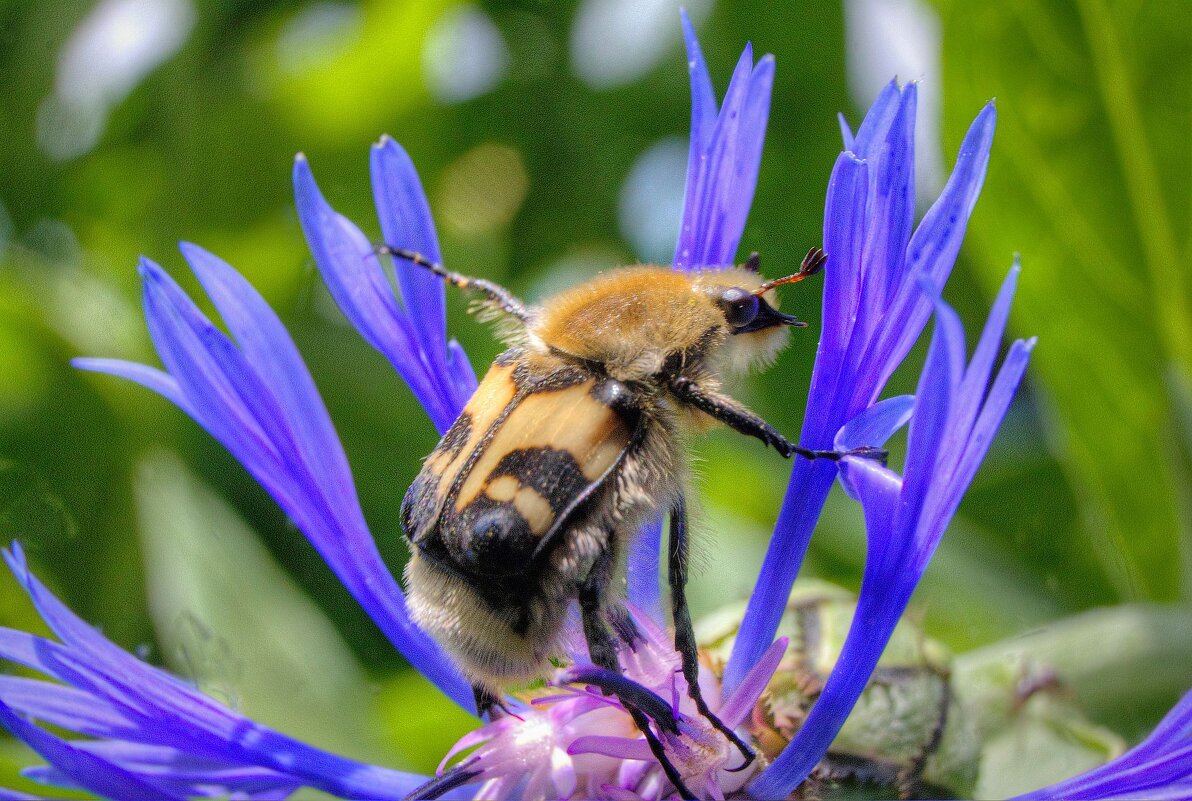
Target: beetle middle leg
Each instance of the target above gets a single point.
(685, 644)
(602, 648)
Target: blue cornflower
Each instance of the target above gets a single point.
(155, 737)
(956, 413)
(874, 309)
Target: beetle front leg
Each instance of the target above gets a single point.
(728, 411)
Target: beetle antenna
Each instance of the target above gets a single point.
(813, 263)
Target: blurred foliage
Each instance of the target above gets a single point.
(527, 180)
(1089, 178)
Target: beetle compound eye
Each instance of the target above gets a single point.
(739, 306)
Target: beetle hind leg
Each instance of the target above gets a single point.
(642, 705)
(685, 633)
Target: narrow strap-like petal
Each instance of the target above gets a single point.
(934, 245)
(84, 770)
(904, 523)
(1158, 767)
(405, 219)
(260, 403)
(113, 694)
(644, 590)
(353, 273)
(723, 164)
(806, 493)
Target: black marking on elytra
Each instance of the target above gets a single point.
(456, 437)
(559, 377)
(418, 505)
(509, 357)
(552, 473)
(488, 538)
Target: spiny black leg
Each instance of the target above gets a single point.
(684, 632)
(456, 777)
(603, 651)
(498, 295)
(624, 626)
(487, 701)
(737, 417)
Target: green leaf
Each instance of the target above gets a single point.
(232, 621)
(1089, 181)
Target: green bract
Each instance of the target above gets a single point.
(923, 727)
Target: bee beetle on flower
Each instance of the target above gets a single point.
(571, 442)
(560, 460)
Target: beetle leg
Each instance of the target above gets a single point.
(737, 417)
(602, 649)
(498, 296)
(684, 632)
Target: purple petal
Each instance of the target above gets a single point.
(737, 707)
(617, 747)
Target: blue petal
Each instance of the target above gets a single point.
(1158, 767)
(976, 377)
(406, 223)
(270, 352)
(871, 628)
(891, 209)
(935, 398)
(846, 133)
(80, 768)
(644, 590)
(805, 495)
(353, 274)
(285, 440)
(723, 167)
(877, 122)
(932, 251)
(152, 708)
(844, 241)
(160, 382)
(66, 707)
(876, 424)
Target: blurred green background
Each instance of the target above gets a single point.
(550, 137)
